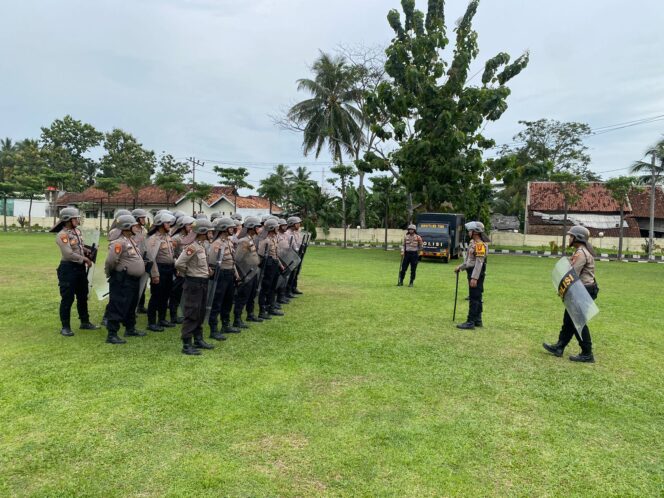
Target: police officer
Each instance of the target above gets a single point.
(583, 262)
(115, 232)
(410, 254)
(246, 256)
(141, 216)
(180, 236)
(72, 271)
(124, 267)
(283, 241)
(475, 266)
(268, 251)
(160, 245)
(193, 265)
(221, 259)
(294, 235)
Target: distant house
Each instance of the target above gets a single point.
(504, 223)
(596, 210)
(640, 201)
(152, 198)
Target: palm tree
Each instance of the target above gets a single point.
(653, 176)
(329, 117)
(620, 188)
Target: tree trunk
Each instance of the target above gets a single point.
(4, 212)
(651, 232)
(270, 205)
(620, 236)
(410, 208)
(101, 214)
(564, 248)
(30, 215)
(343, 208)
(387, 214)
(361, 200)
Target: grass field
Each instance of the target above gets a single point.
(363, 389)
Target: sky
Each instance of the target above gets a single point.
(202, 78)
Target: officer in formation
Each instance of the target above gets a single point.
(72, 271)
(141, 216)
(180, 255)
(475, 266)
(410, 254)
(583, 262)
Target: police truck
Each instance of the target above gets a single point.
(442, 234)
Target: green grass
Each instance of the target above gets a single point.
(363, 389)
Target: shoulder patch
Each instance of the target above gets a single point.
(64, 238)
(118, 248)
(480, 249)
(190, 251)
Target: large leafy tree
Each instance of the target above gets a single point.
(277, 186)
(234, 177)
(126, 157)
(341, 182)
(620, 188)
(66, 143)
(171, 177)
(30, 165)
(198, 193)
(433, 113)
(571, 186)
(109, 186)
(330, 117)
(651, 174)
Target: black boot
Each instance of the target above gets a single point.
(199, 343)
(466, 326)
(275, 312)
(88, 326)
(238, 323)
(114, 339)
(134, 333)
(400, 283)
(215, 334)
(155, 327)
(188, 349)
(104, 322)
(227, 329)
(586, 355)
(66, 331)
(175, 319)
(411, 283)
(290, 294)
(555, 349)
(478, 323)
(264, 315)
(297, 291)
(166, 324)
(253, 318)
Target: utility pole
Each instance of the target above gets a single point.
(653, 193)
(194, 162)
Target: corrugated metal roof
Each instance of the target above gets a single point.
(584, 219)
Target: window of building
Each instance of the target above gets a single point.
(91, 214)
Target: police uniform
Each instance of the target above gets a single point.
(283, 244)
(161, 245)
(73, 279)
(296, 237)
(193, 265)
(178, 281)
(139, 238)
(268, 251)
(412, 245)
(124, 267)
(222, 251)
(253, 289)
(246, 291)
(475, 266)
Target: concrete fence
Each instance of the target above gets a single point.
(376, 236)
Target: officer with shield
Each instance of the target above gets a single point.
(141, 216)
(295, 239)
(583, 262)
(162, 271)
(268, 250)
(72, 276)
(221, 259)
(247, 262)
(410, 254)
(124, 267)
(475, 266)
(193, 265)
(181, 236)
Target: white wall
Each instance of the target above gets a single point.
(21, 207)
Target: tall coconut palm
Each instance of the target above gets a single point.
(652, 174)
(329, 118)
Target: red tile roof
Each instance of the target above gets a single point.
(640, 201)
(219, 193)
(595, 198)
(255, 202)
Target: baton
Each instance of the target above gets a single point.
(456, 293)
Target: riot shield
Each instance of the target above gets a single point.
(91, 243)
(212, 284)
(246, 263)
(580, 306)
(148, 256)
(289, 258)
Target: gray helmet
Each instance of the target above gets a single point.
(139, 213)
(214, 216)
(282, 222)
(293, 220)
(125, 222)
(251, 222)
(223, 224)
(581, 234)
(411, 227)
(271, 224)
(238, 223)
(475, 226)
(179, 214)
(202, 226)
(201, 216)
(162, 218)
(236, 216)
(182, 221)
(69, 213)
(121, 212)
(264, 218)
(163, 211)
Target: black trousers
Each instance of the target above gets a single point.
(160, 293)
(194, 294)
(269, 283)
(242, 295)
(122, 301)
(73, 283)
(292, 280)
(475, 306)
(252, 292)
(223, 298)
(175, 297)
(568, 329)
(410, 258)
(141, 300)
